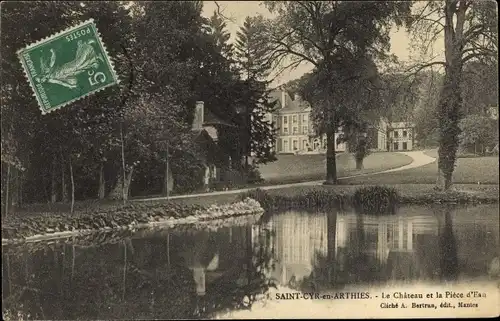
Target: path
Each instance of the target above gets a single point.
(419, 159)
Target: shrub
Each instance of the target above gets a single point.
(266, 201)
(253, 174)
(376, 200)
(309, 200)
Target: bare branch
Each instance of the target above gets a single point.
(219, 12)
(418, 68)
(481, 52)
(433, 21)
(291, 66)
(287, 50)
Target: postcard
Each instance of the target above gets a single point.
(249, 160)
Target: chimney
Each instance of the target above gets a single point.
(198, 116)
(283, 98)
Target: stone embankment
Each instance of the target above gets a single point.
(51, 226)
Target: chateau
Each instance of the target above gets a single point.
(296, 133)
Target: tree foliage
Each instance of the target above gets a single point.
(167, 57)
(328, 35)
(470, 31)
(257, 131)
(477, 133)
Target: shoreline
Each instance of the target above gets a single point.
(257, 201)
(141, 220)
(113, 236)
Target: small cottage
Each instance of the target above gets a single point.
(205, 129)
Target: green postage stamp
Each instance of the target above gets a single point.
(67, 66)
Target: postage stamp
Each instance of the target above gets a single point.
(67, 66)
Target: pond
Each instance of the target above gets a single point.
(219, 272)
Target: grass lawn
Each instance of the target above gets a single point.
(405, 190)
(287, 169)
(483, 170)
(296, 168)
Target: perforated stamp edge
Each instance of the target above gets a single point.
(57, 34)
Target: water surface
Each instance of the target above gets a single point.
(199, 273)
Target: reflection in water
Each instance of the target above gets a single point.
(448, 248)
(323, 251)
(171, 273)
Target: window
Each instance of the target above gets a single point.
(285, 145)
(295, 145)
(285, 130)
(294, 119)
(396, 145)
(405, 146)
(285, 120)
(396, 134)
(304, 129)
(304, 144)
(295, 130)
(304, 117)
(405, 133)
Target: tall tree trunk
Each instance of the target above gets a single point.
(121, 187)
(7, 190)
(168, 182)
(128, 182)
(13, 193)
(359, 163)
(124, 170)
(331, 161)
(102, 182)
(53, 190)
(72, 184)
(19, 189)
(64, 188)
(450, 99)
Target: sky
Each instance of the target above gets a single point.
(237, 11)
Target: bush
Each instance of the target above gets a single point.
(477, 134)
(253, 174)
(266, 201)
(310, 200)
(376, 200)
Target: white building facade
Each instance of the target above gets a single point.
(296, 133)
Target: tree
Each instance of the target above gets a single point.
(258, 133)
(479, 87)
(470, 33)
(477, 132)
(162, 96)
(358, 110)
(325, 34)
(251, 49)
(425, 113)
(44, 141)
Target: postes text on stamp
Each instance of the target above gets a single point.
(67, 66)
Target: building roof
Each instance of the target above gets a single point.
(401, 124)
(291, 106)
(210, 119)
